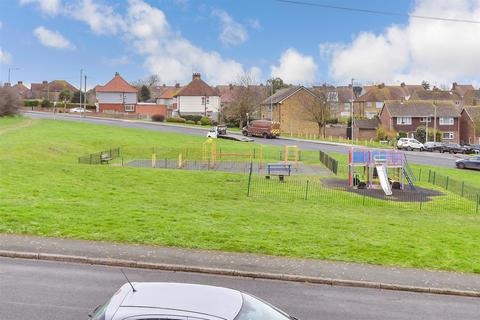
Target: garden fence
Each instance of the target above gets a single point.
(100, 157)
(329, 162)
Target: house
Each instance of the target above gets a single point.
(117, 96)
(470, 125)
(339, 99)
(166, 97)
(461, 89)
(22, 90)
(369, 104)
(437, 95)
(407, 116)
(198, 98)
(230, 93)
(50, 90)
(471, 98)
(365, 129)
(287, 106)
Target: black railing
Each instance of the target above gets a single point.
(329, 162)
(102, 157)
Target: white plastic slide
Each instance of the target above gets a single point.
(382, 175)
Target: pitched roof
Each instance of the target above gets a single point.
(473, 112)
(421, 108)
(366, 123)
(434, 95)
(281, 95)
(228, 93)
(461, 89)
(344, 94)
(471, 97)
(117, 84)
(197, 87)
(382, 92)
(53, 86)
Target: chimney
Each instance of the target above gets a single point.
(20, 82)
(177, 85)
(454, 85)
(230, 86)
(117, 74)
(402, 84)
(44, 82)
(196, 75)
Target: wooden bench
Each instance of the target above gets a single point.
(278, 169)
(105, 157)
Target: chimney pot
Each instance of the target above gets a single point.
(44, 82)
(196, 75)
(20, 82)
(117, 74)
(177, 85)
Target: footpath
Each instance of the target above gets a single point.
(240, 264)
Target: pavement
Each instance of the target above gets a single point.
(49, 290)
(422, 158)
(240, 264)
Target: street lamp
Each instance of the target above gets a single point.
(426, 127)
(351, 111)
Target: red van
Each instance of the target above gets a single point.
(262, 128)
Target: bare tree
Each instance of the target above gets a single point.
(9, 102)
(316, 107)
(246, 99)
(148, 81)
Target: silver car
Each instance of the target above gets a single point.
(178, 301)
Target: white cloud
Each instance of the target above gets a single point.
(52, 39)
(1, 24)
(101, 19)
(5, 57)
(295, 67)
(421, 50)
(255, 24)
(233, 33)
(120, 61)
(50, 7)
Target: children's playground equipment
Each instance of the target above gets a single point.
(375, 168)
(291, 155)
(211, 155)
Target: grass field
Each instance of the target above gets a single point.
(43, 191)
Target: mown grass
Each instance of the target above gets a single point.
(43, 191)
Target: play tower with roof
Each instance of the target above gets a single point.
(378, 168)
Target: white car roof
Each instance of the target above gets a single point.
(201, 299)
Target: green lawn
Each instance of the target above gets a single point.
(43, 191)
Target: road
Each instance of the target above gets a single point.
(424, 158)
(44, 290)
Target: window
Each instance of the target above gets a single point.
(332, 96)
(253, 309)
(129, 107)
(370, 115)
(379, 104)
(207, 100)
(425, 119)
(447, 135)
(404, 120)
(446, 120)
(369, 104)
(346, 106)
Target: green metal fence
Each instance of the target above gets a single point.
(329, 162)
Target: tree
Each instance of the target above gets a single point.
(144, 93)
(276, 84)
(246, 99)
(65, 96)
(149, 81)
(357, 90)
(425, 85)
(421, 133)
(76, 97)
(316, 107)
(9, 102)
(45, 103)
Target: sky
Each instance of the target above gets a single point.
(225, 39)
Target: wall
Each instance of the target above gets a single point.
(292, 115)
(116, 97)
(194, 105)
(151, 109)
(112, 107)
(467, 130)
(410, 129)
(336, 132)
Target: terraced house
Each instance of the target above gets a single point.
(407, 116)
(470, 125)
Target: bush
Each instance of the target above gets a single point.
(190, 122)
(9, 102)
(205, 121)
(193, 118)
(46, 104)
(158, 118)
(31, 103)
(332, 121)
(176, 119)
(199, 123)
(385, 134)
(401, 134)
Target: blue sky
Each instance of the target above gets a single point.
(53, 39)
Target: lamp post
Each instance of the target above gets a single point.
(434, 122)
(9, 72)
(426, 128)
(352, 113)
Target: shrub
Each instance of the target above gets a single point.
(158, 118)
(45, 104)
(401, 134)
(385, 134)
(193, 118)
(205, 121)
(176, 119)
(332, 121)
(9, 102)
(190, 122)
(31, 103)
(199, 123)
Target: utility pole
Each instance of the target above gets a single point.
(434, 122)
(9, 72)
(85, 102)
(353, 114)
(271, 105)
(80, 91)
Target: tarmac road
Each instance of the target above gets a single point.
(424, 158)
(43, 290)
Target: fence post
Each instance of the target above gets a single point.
(478, 200)
(122, 161)
(446, 184)
(434, 174)
(364, 193)
(420, 175)
(90, 158)
(249, 179)
(306, 191)
(429, 174)
(421, 201)
(463, 185)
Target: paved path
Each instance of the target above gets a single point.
(62, 291)
(243, 262)
(424, 158)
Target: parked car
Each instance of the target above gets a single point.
(451, 147)
(262, 128)
(470, 163)
(184, 301)
(432, 146)
(473, 148)
(409, 144)
(78, 109)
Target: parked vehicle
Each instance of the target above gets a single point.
(432, 146)
(470, 163)
(451, 147)
(409, 144)
(262, 128)
(472, 148)
(184, 301)
(78, 109)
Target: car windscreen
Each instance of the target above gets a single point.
(99, 312)
(254, 309)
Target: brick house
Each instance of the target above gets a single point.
(50, 90)
(461, 89)
(437, 95)
(198, 98)
(339, 98)
(471, 98)
(369, 104)
(365, 129)
(117, 96)
(470, 125)
(287, 108)
(407, 116)
(22, 90)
